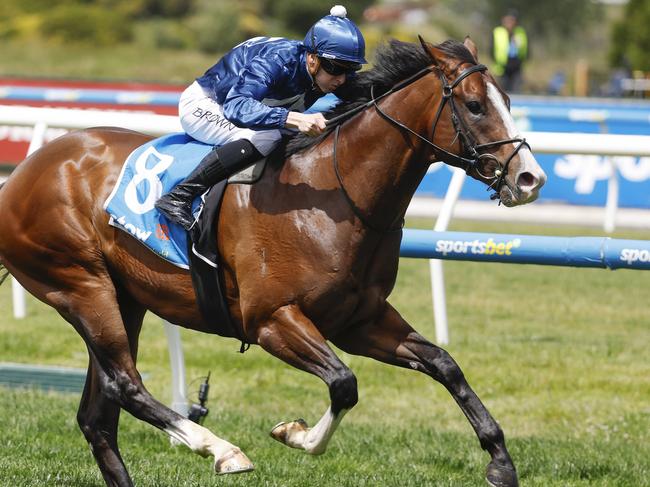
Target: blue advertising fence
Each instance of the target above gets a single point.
(87, 95)
(599, 252)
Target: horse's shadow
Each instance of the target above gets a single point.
(285, 198)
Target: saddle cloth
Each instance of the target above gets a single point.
(151, 171)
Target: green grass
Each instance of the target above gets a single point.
(558, 355)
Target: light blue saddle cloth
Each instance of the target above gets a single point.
(149, 172)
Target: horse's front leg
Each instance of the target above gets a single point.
(392, 340)
(293, 338)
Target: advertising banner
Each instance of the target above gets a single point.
(127, 96)
(572, 179)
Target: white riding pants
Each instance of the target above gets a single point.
(202, 118)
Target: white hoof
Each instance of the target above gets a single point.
(291, 434)
(233, 462)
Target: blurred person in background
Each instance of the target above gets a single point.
(509, 51)
(245, 102)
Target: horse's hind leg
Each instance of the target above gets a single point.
(93, 310)
(292, 337)
(98, 416)
(392, 340)
(105, 335)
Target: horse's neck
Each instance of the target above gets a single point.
(380, 164)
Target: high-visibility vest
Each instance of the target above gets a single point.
(502, 46)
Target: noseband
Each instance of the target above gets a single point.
(472, 152)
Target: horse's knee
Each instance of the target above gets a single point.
(343, 392)
(130, 394)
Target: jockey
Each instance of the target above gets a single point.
(242, 104)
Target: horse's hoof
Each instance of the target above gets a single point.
(233, 462)
(291, 434)
(501, 476)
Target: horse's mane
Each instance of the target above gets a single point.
(395, 61)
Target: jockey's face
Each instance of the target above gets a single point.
(327, 82)
(327, 75)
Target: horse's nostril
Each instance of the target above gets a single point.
(526, 180)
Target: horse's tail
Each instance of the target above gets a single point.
(4, 273)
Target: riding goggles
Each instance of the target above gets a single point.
(337, 68)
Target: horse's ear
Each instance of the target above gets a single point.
(427, 48)
(471, 47)
(437, 56)
(425, 45)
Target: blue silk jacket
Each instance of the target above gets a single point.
(260, 80)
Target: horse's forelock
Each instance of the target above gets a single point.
(456, 50)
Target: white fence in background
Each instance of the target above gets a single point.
(542, 142)
(69, 118)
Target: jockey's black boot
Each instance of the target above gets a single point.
(219, 164)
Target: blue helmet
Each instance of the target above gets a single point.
(336, 37)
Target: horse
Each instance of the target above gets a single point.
(308, 254)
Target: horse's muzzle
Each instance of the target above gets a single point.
(523, 188)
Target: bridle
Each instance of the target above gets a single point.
(465, 136)
(473, 153)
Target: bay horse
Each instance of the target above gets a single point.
(309, 254)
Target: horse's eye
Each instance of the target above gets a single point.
(474, 107)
